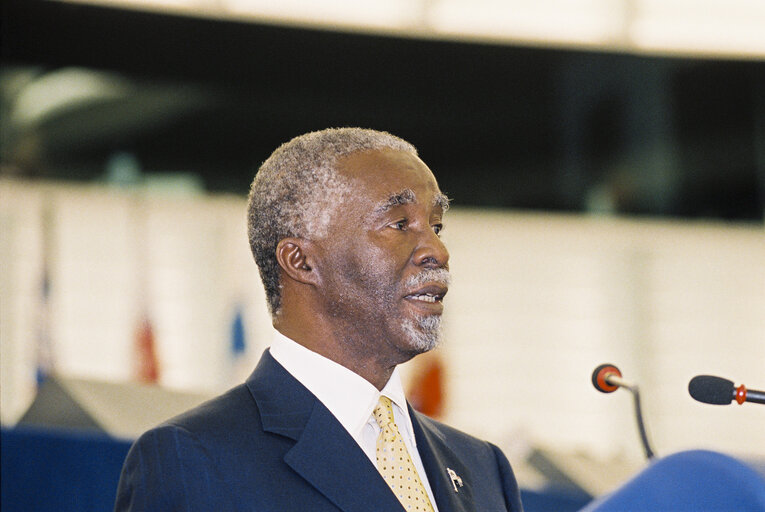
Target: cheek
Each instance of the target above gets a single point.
(393, 250)
(387, 265)
(376, 266)
(373, 274)
(359, 269)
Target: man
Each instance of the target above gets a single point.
(344, 225)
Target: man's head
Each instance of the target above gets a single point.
(297, 187)
(344, 225)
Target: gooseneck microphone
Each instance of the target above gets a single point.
(607, 378)
(718, 391)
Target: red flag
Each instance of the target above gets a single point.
(147, 362)
(426, 389)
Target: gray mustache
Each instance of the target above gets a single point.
(437, 275)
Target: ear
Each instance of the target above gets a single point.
(295, 258)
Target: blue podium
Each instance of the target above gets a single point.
(690, 481)
(57, 470)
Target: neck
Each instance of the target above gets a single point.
(360, 355)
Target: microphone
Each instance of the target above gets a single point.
(607, 378)
(718, 391)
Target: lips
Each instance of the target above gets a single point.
(430, 296)
(426, 290)
(424, 298)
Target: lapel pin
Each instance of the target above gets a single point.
(455, 478)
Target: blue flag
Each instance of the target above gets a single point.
(238, 342)
(44, 351)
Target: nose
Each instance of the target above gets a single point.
(431, 251)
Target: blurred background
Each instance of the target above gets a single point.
(606, 161)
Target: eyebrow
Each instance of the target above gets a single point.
(443, 201)
(407, 196)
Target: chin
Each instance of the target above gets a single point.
(423, 333)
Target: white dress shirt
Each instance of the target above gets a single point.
(350, 398)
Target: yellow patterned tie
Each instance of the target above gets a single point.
(394, 462)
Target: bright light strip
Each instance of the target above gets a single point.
(724, 28)
(714, 27)
(587, 22)
(364, 14)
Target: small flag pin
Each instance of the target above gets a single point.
(455, 478)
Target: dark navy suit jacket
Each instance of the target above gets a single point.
(269, 445)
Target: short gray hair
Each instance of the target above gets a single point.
(295, 189)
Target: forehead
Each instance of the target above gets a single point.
(381, 174)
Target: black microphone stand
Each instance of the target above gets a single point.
(607, 378)
(615, 380)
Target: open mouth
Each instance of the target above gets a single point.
(432, 294)
(425, 298)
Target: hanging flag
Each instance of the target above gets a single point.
(238, 347)
(44, 342)
(145, 351)
(147, 362)
(426, 386)
(238, 344)
(44, 348)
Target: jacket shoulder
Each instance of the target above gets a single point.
(452, 434)
(234, 407)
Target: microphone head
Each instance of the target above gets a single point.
(712, 390)
(599, 377)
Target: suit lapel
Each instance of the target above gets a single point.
(333, 463)
(438, 459)
(324, 454)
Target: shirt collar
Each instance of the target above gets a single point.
(347, 395)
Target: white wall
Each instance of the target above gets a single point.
(114, 255)
(537, 302)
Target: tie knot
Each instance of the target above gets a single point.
(384, 412)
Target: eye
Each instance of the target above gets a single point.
(437, 228)
(400, 224)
